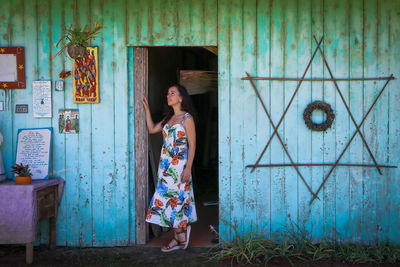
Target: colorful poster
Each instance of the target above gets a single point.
(86, 77)
(68, 121)
(41, 103)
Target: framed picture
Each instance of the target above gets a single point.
(12, 68)
(68, 121)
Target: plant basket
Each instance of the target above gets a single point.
(76, 51)
(23, 180)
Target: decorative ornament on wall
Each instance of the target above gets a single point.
(12, 68)
(86, 77)
(68, 121)
(326, 108)
(330, 117)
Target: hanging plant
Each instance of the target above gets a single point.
(78, 40)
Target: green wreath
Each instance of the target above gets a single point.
(325, 107)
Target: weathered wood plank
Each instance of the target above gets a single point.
(197, 20)
(393, 141)
(342, 120)
(183, 18)
(121, 232)
(291, 122)
(72, 147)
(249, 112)
(262, 175)
(317, 93)
(59, 149)
(131, 147)
(329, 194)
(355, 104)
(224, 119)
(385, 186)
(210, 22)
(85, 148)
(304, 53)
(108, 129)
(100, 132)
(141, 136)
(278, 209)
(371, 89)
(236, 109)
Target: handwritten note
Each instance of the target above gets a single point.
(33, 148)
(41, 93)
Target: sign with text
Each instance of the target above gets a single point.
(33, 148)
(41, 104)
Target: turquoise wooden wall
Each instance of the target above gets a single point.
(275, 39)
(264, 38)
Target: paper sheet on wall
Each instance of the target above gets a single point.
(41, 105)
(33, 148)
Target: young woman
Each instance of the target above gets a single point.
(173, 204)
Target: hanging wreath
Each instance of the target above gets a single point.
(325, 107)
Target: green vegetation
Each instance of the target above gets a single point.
(295, 244)
(21, 170)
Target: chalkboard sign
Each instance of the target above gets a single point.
(33, 148)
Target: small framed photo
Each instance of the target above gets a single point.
(59, 86)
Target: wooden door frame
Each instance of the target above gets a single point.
(141, 87)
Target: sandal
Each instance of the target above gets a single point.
(174, 244)
(183, 237)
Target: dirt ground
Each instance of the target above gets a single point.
(14, 255)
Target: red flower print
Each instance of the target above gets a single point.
(188, 201)
(148, 216)
(175, 160)
(164, 134)
(187, 186)
(164, 150)
(183, 224)
(158, 203)
(173, 202)
(182, 149)
(181, 134)
(179, 186)
(174, 144)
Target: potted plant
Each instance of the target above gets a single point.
(23, 174)
(78, 40)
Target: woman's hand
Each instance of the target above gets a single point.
(186, 174)
(145, 103)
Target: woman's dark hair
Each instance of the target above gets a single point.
(186, 105)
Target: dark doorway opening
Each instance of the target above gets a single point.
(196, 68)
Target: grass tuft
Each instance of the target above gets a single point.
(296, 244)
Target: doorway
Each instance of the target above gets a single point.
(195, 68)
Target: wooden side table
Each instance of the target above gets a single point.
(34, 203)
(46, 208)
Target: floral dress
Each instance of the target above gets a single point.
(173, 204)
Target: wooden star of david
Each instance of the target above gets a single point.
(275, 127)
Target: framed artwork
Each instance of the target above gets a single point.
(12, 68)
(34, 149)
(68, 121)
(86, 77)
(59, 85)
(41, 99)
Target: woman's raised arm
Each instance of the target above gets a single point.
(153, 128)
